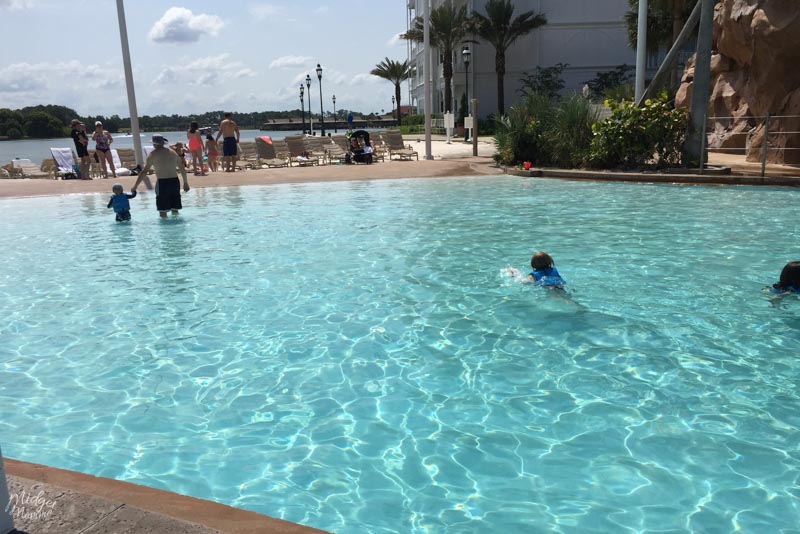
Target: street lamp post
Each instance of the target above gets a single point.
(310, 120)
(466, 54)
(335, 127)
(321, 112)
(393, 113)
(303, 108)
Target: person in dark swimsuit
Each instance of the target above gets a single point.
(167, 164)
(103, 141)
(230, 134)
(78, 135)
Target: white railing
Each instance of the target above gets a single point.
(771, 128)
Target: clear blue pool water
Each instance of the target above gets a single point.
(348, 356)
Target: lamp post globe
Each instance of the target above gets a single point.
(303, 108)
(335, 126)
(321, 112)
(308, 90)
(466, 55)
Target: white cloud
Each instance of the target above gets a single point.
(16, 4)
(211, 70)
(289, 61)
(244, 73)
(34, 77)
(361, 79)
(321, 10)
(180, 25)
(395, 40)
(264, 11)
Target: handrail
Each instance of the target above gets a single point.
(753, 117)
(765, 122)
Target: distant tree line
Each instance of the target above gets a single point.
(54, 121)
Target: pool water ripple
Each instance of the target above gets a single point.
(348, 356)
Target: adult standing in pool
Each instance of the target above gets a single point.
(167, 165)
(103, 140)
(81, 141)
(229, 132)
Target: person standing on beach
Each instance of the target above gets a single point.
(196, 147)
(167, 164)
(81, 146)
(229, 132)
(103, 141)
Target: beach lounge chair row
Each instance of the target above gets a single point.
(301, 150)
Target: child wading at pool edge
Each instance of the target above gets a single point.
(119, 201)
(544, 273)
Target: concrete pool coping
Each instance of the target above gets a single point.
(81, 503)
(665, 178)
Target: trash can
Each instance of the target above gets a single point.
(6, 521)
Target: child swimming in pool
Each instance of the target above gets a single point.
(119, 201)
(790, 279)
(544, 273)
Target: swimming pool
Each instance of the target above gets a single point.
(348, 356)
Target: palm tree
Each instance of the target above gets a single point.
(395, 72)
(448, 28)
(665, 20)
(500, 29)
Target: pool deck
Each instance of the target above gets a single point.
(453, 159)
(65, 502)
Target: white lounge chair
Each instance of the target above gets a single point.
(25, 168)
(120, 170)
(65, 163)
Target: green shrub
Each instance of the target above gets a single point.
(412, 120)
(546, 134)
(635, 137)
(621, 75)
(568, 137)
(620, 92)
(518, 135)
(545, 81)
(486, 126)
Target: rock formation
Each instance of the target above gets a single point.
(755, 70)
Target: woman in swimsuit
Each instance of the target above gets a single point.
(102, 147)
(196, 148)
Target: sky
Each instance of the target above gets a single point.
(198, 55)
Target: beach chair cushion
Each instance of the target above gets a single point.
(120, 170)
(65, 163)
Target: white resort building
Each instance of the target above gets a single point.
(588, 35)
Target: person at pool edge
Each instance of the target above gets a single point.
(790, 279)
(167, 165)
(544, 273)
(120, 202)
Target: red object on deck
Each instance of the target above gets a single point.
(267, 139)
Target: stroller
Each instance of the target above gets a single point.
(360, 149)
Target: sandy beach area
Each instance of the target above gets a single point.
(453, 159)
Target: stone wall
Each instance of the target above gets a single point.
(755, 70)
